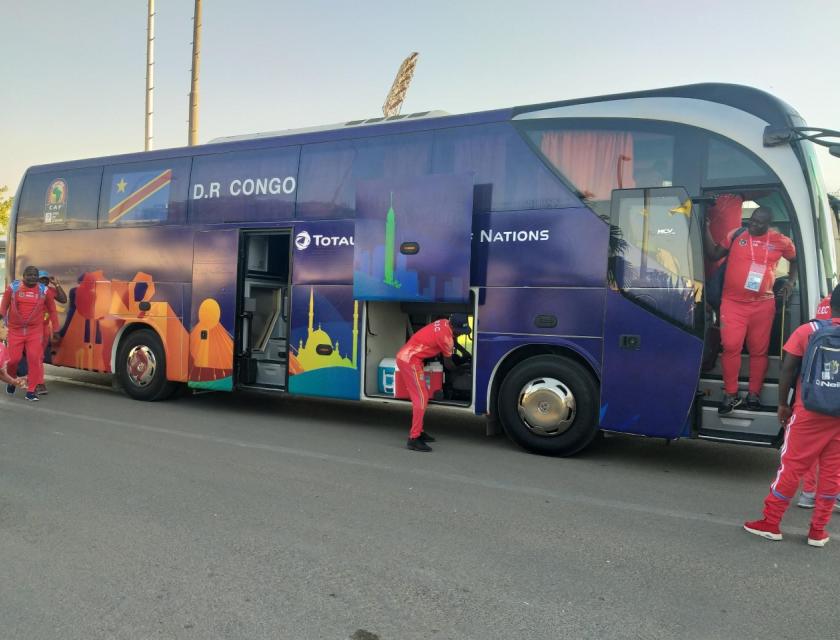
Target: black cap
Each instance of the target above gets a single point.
(458, 322)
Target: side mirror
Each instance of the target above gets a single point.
(834, 150)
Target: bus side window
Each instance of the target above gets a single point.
(329, 172)
(65, 200)
(143, 193)
(508, 175)
(652, 257)
(597, 159)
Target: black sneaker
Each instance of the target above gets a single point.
(425, 437)
(753, 402)
(10, 389)
(729, 404)
(416, 444)
(31, 396)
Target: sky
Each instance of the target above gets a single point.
(72, 74)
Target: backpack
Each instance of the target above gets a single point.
(15, 287)
(42, 288)
(714, 287)
(820, 391)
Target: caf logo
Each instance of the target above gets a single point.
(303, 240)
(55, 206)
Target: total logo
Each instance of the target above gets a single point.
(304, 239)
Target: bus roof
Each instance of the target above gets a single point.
(759, 103)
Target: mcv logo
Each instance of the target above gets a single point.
(303, 240)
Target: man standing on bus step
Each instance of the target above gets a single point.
(437, 338)
(811, 437)
(25, 305)
(747, 305)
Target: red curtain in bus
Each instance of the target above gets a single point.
(596, 162)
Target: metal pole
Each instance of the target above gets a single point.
(150, 74)
(193, 134)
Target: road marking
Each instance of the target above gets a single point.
(486, 483)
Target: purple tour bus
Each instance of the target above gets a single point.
(570, 232)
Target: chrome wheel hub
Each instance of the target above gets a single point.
(142, 365)
(547, 407)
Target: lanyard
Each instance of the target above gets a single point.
(766, 250)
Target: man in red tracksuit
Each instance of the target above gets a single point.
(24, 306)
(810, 438)
(807, 499)
(437, 338)
(748, 304)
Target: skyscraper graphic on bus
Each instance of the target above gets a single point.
(390, 228)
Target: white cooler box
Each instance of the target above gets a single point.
(385, 376)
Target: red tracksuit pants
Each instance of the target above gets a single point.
(33, 339)
(809, 482)
(414, 381)
(750, 321)
(810, 438)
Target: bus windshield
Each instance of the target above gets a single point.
(823, 224)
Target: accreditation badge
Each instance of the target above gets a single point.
(755, 277)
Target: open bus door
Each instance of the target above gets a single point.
(654, 320)
(412, 239)
(411, 264)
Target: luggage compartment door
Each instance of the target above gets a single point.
(412, 239)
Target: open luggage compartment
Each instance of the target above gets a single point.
(389, 325)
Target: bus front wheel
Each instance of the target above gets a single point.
(141, 367)
(549, 405)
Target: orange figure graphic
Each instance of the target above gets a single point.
(99, 308)
(211, 347)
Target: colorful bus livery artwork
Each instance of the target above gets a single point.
(569, 232)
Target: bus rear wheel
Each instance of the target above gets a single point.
(141, 367)
(549, 405)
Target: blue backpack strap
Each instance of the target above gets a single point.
(15, 286)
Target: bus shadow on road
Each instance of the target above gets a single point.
(721, 461)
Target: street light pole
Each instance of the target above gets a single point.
(150, 74)
(193, 133)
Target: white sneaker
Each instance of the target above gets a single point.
(806, 500)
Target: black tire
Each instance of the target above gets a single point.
(141, 367)
(570, 394)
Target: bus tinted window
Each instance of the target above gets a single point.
(728, 162)
(598, 160)
(508, 175)
(653, 259)
(244, 186)
(329, 172)
(63, 200)
(144, 193)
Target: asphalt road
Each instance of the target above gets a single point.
(254, 516)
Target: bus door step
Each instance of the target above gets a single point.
(750, 427)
